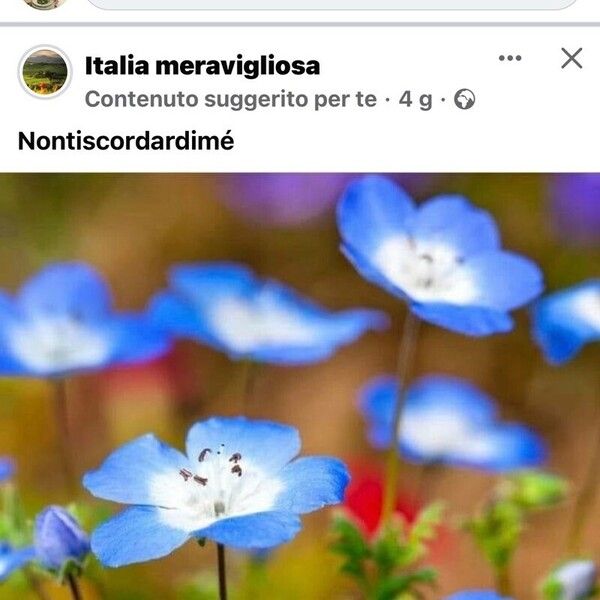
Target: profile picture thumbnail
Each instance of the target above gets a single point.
(45, 72)
(44, 4)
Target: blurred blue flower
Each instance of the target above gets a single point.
(574, 580)
(293, 199)
(575, 206)
(477, 595)
(282, 199)
(12, 559)
(565, 321)
(451, 422)
(444, 257)
(7, 468)
(58, 538)
(225, 306)
(62, 322)
(239, 485)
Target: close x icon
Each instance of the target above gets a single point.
(573, 58)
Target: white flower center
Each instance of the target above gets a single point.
(577, 579)
(245, 325)
(441, 433)
(222, 485)
(57, 344)
(587, 307)
(427, 272)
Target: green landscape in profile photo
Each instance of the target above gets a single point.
(44, 4)
(44, 72)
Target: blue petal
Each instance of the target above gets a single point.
(560, 328)
(371, 210)
(364, 265)
(9, 315)
(136, 339)
(377, 405)
(255, 531)
(503, 448)
(66, 288)
(505, 281)
(180, 317)
(476, 595)
(432, 393)
(7, 468)
(127, 474)
(203, 283)
(58, 538)
(436, 392)
(330, 330)
(138, 534)
(311, 483)
(454, 222)
(12, 560)
(475, 321)
(269, 446)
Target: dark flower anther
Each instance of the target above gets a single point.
(203, 454)
(237, 470)
(201, 480)
(235, 458)
(186, 474)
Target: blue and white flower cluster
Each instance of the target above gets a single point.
(240, 482)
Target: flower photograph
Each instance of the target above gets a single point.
(299, 386)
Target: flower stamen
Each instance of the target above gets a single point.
(186, 474)
(203, 454)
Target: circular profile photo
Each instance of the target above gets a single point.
(44, 4)
(45, 72)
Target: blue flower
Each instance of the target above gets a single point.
(7, 468)
(227, 307)
(444, 258)
(565, 321)
(239, 485)
(449, 421)
(61, 322)
(575, 207)
(58, 538)
(12, 559)
(477, 595)
(574, 580)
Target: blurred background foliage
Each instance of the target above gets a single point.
(133, 227)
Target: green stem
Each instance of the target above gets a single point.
(503, 582)
(249, 375)
(74, 587)
(406, 354)
(585, 500)
(61, 417)
(222, 572)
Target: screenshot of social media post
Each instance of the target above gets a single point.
(299, 300)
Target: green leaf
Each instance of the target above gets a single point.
(393, 587)
(351, 545)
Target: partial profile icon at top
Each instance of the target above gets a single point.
(44, 4)
(464, 99)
